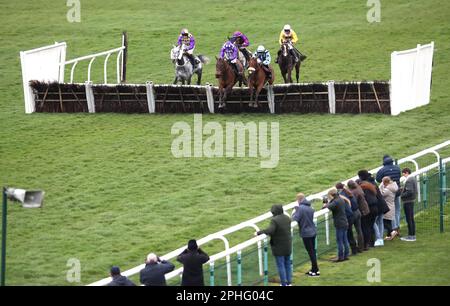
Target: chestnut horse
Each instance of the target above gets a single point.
(257, 79)
(227, 78)
(287, 62)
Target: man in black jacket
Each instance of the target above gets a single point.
(118, 279)
(192, 259)
(154, 272)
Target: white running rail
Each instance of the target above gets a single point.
(92, 57)
(252, 223)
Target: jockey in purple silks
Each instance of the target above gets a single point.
(187, 41)
(241, 41)
(230, 52)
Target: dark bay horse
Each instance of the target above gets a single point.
(287, 62)
(257, 79)
(227, 79)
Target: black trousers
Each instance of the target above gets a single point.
(388, 226)
(310, 246)
(367, 223)
(409, 214)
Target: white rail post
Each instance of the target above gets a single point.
(72, 71)
(90, 96)
(271, 99)
(105, 68)
(89, 68)
(150, 97)
(210, 98)
(119, 56)
(327, 229)
(331, 97)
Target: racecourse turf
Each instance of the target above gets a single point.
(114, 191)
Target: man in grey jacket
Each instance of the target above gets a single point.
(304, 215)
(408, 196)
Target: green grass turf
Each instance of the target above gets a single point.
(114, 191)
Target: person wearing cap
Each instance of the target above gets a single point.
(118, 279)
(154, 272)
(288, 35)
(187, 41)
(263, 57)
(241, 41)
(392, 171)
(192, 259)
(230, 53)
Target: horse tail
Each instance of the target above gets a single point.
(204, 59)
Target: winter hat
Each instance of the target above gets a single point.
(115, 270)
(192, 245)
(363, 174)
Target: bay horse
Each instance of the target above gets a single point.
(287, 62)
(227, 79)
(183, 66)
(257, 79)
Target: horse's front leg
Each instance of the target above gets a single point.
(176, 80)
(199, 77)
(289, 75)
(251, 89)
(258, 90)
(283, 74)
(297, 71)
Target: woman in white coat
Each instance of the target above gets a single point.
(388, 188)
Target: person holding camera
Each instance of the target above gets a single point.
(154, 272)
(337, 206)
(193, 259)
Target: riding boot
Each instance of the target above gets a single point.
(294, 54)
(191, 59)
(278, 56)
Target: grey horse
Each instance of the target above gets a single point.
(183, 67)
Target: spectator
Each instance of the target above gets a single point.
(337, 206)
(118, 279)
(408, 195)
(393, 171)
(193, 259)
(154, 272)
(279, 231)
(388, 189)
(370, 194)
(382, 209)
(364, 211)
(354, 218)
(304, 215)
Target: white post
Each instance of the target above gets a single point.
(150, 97)
(119, 56)
(260, 259)
(327, 229)
(105, 68)
(331, 97)
(270, 99)
(210, 98)
(89, 68)
(90, 96)
(27, 91)
(62, 65)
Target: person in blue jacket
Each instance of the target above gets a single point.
(304, 215)
(392, 171)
